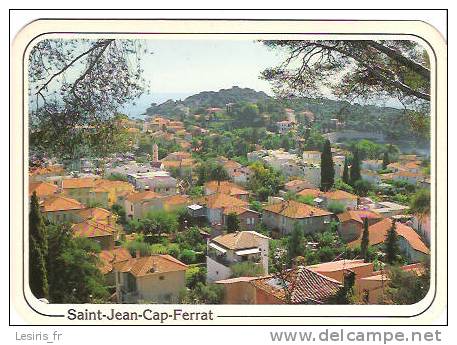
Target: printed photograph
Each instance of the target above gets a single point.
(228, 171)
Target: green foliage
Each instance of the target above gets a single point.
(191, 238)
(346, 293)
(327, 168)
(195, 275)
(403, 199)
(368, 149)
(174, 250)
(295, 245)
(355, 167)
(94, 204)
(385, 160)
(391, 245)
(256, 206)
(365, 241)
(196, 191)
(336, 207)
(362, 187)
(420, 202)
(341, 185)
(407, 287)
(74, 276)
(138, 245)
(246, 269)
(211, 171)
(265, 181)
(158, 248)
(38, 250)
(247, 115)
(306, 199)
(204, 294)
(117, 177)
(314, 140)
(120, 212)
(188, 256)
(157, 222)
(233, 222)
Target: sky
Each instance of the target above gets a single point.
(176, 69)
(180, 68)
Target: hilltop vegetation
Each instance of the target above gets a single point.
(256, 109)
(208, 99)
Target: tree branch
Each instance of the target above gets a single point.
(73, 62)
(414, 66)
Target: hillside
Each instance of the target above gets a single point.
(208, 99)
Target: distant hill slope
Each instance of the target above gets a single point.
(208, 99)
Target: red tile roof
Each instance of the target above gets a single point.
(357, 215)
(90, 228)
(377, 234)
(315, 193)
(42, 189)
(303, 286)
(219, 200)
(154, 264)
(142, 196)
(339, 195)
(72, 183)
(61, 203)
(240, 240)
(333, 266)
(110, 257)
(226, 187)
(294, 209)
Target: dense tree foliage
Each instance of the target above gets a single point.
(407, 287)
(355, 167)
(38, 250)
(74, 276)
(233, 222)
(76, 87)
(327, 168)
(365, 241)
(265, 181)
(391, 245)
(369, 68)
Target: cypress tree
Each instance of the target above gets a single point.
(346, 171)
(391, 246)
(327, 168)
(385, 160)
(355, 167)
(365, 241)
(38, 250)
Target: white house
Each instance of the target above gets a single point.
(227, 250)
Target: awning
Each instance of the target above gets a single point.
(195, 207)
(218, 248)
(247, 251)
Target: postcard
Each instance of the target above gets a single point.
(228, 172)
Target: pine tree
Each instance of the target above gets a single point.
(327, 168)
(346, 171)
(355, 167)
(391, 246)
(385, 160)
(365, 241)
(38, 250)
